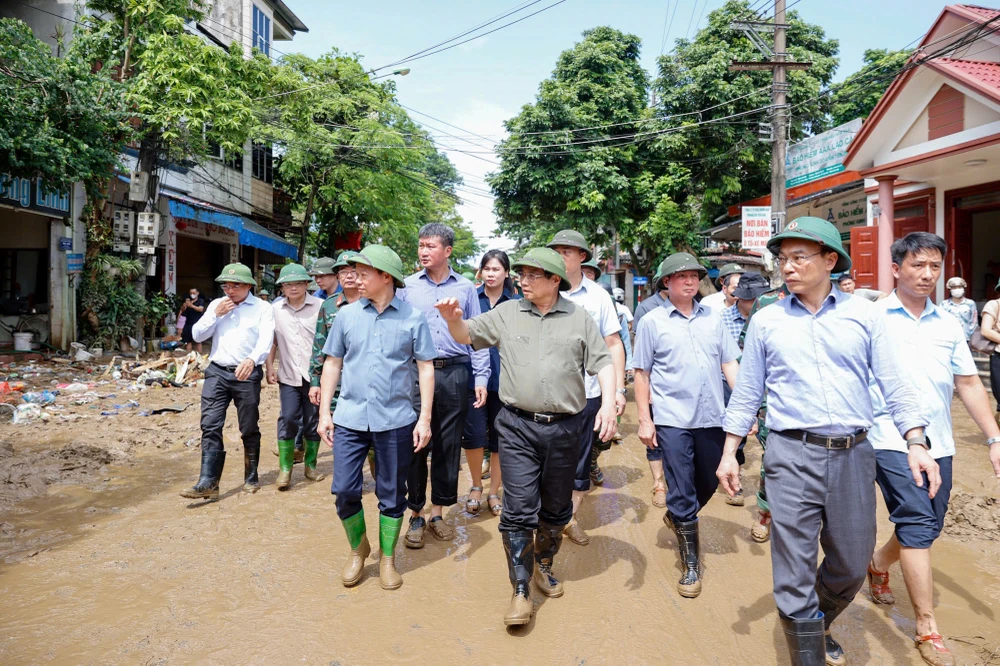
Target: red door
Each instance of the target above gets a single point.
(864, 256)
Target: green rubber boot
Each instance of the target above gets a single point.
(286, 456)
(354, 568)
(311, 452)
(388, 536)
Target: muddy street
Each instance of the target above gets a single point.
(105, 564)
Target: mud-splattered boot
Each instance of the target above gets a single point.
(251, 458)
(312, 452)
(805, 640)
(286, 453)
(547, 542)
(207, 487)
(831, 605)
(689, 585)
(388, 536)
(519, 547)
(354, 568)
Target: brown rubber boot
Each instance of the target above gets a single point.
(388, 577)
(520, 550)
(520, 609)
(548, 539)
(354, 568)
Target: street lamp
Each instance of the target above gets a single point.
(401, 72)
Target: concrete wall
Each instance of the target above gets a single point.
(43, 23)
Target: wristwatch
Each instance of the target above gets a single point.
(920, 440)
(622, 391)
(992, 440)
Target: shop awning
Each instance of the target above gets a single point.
(254, 235)
(192, 209)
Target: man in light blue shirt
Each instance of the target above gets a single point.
(934, 343)
(436, 282)
(679, 350)
(372, 347)
(813, 353)
(242, 330)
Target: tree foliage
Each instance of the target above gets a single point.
(861, 91)
(60, 120)
(352, 158)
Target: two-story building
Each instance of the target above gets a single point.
(930, 155)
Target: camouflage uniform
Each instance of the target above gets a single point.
(762, 301)
(327, 313)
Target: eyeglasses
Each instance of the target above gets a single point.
(531, 277)
(798, 261)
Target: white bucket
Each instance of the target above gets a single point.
(82, 355)
(22, 341)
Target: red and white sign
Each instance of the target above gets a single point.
(756, 227)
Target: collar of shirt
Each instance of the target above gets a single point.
(561, 305)
(697, 309)
(892, 302)
(835, 296)
(309, 301)
(504, 297)
(452, 275)
(366, 303)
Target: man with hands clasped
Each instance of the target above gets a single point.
(813, 353)
(547, 344)
(242, 330)
(371, 349)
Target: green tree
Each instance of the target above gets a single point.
(861, 91)
(352, 158)
(61, 120)
(717, 111)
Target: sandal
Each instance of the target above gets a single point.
(440, 529)
(933, 650)
(659, 497)
(878, 585)
(496, 506)
(761, 530)
(473, 505)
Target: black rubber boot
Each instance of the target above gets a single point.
(548, 539)
(520, 551)
(831, 605)
(251, 458)
(805, 641)
(687, 541)
(207, 487)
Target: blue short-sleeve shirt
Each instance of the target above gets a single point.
(378, 391)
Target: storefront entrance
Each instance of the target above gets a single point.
(972, 230)
(199, 262)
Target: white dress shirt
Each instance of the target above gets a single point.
(245, 332)
(594, 299)
(716, 301)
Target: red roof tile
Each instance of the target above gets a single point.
(985, 74)
(986, 13)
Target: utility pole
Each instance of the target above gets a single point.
(776, 132)
(780, 120)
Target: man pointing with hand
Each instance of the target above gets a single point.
(546, 345)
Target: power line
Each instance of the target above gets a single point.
(663, 38)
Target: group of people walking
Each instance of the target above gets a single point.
(415, 369)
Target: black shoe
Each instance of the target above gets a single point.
(689, 584)
(415, 534)
(805, 641)
(207, 487)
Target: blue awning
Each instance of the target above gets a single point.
(254, 235)
(191, 209)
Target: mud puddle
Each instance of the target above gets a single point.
(68, 492)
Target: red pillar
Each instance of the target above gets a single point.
(886, 222)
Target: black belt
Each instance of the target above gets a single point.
(829, 442)
(227, 368)
(538, 417)
(450, 360)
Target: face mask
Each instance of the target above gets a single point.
(957, 293)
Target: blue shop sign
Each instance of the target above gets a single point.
(74, 262)
(65, 244)
(32, 194)
(640, 281)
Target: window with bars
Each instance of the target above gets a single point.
(261, 31)
(263, 162)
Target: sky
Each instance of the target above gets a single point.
(478, 85)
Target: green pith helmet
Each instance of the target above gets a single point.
(381, 258)
(658, 277)
(469, 275)
(593, 264)
(548, 260)
(293, 273)
(730, 269)
(343, 260)
(679, 262)
(239, 273)
(322, 266)
(818, 231)
(571, 238)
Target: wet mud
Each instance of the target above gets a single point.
(106, 564)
